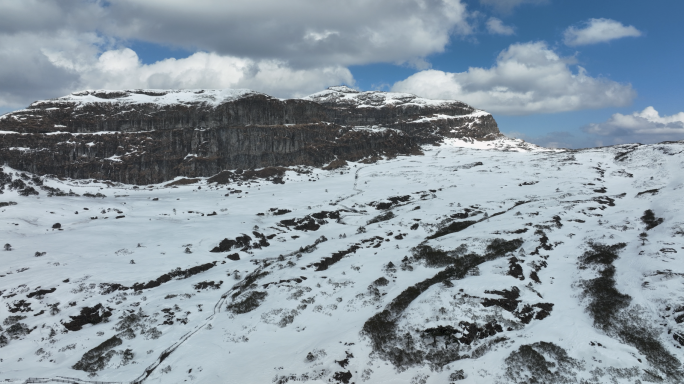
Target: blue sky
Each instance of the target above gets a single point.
(557, 73)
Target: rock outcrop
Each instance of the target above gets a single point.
(150, 136)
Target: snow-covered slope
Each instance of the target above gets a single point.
(344, 95)
(157, 135)
(461, 265)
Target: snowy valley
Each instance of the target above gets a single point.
(473, 262)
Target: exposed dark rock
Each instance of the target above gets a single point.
(150, 143)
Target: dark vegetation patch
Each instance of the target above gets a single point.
(96, 195)
(249, 303)
(464, 333)
(605, 200)
(541, 362)
(19, 306)
(374, 242)
(278, 212)
(41, 292)
(543, 242)
(649, 192)
(508, 302)
(7, 203)
(28, 191)
(434, 258)
(263, 242)
(535, 277)
(650, 220)
(400, 349)
(623, 155)
(454, 227)
(461, 215)
(243, 242)
(381, 217)
(57, 192)
(342, 377)
(107, 288)
(468, 166)
(285, 281)
(249, 282)
(312, 247)
(177, 274)
(392, 201)
(89, 315)
(15, 329)
(326, 262)
(527, 183)
(515, 269)
(12, 320)
(207, 285)
(97, 358)
(608, 308)
(311, 222)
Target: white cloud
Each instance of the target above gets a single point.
(527, 78)
(646, 126)
(49, 48)
(301, 32)
(598, 31)
(27, 73)
(119, 69)
(506, 6)
(496, 27)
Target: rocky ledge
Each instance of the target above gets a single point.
(151, 136)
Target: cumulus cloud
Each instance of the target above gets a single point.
(496, 27)
(28, 73)
(506, 6)
(302, 32)
(596, 31)
(49, 48)
(645, 127)
(118, 69)
(38, 66)
(527, 78)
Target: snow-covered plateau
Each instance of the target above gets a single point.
(473, 262)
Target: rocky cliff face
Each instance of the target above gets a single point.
(150, 136)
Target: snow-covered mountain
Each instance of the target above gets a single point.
(471, 261)
(151, 136)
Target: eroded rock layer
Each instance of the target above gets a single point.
(150, 136)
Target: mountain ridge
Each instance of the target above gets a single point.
(149, 136)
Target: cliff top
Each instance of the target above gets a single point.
(368, 99)
(337, 95)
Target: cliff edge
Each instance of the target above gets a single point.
(150, 136)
